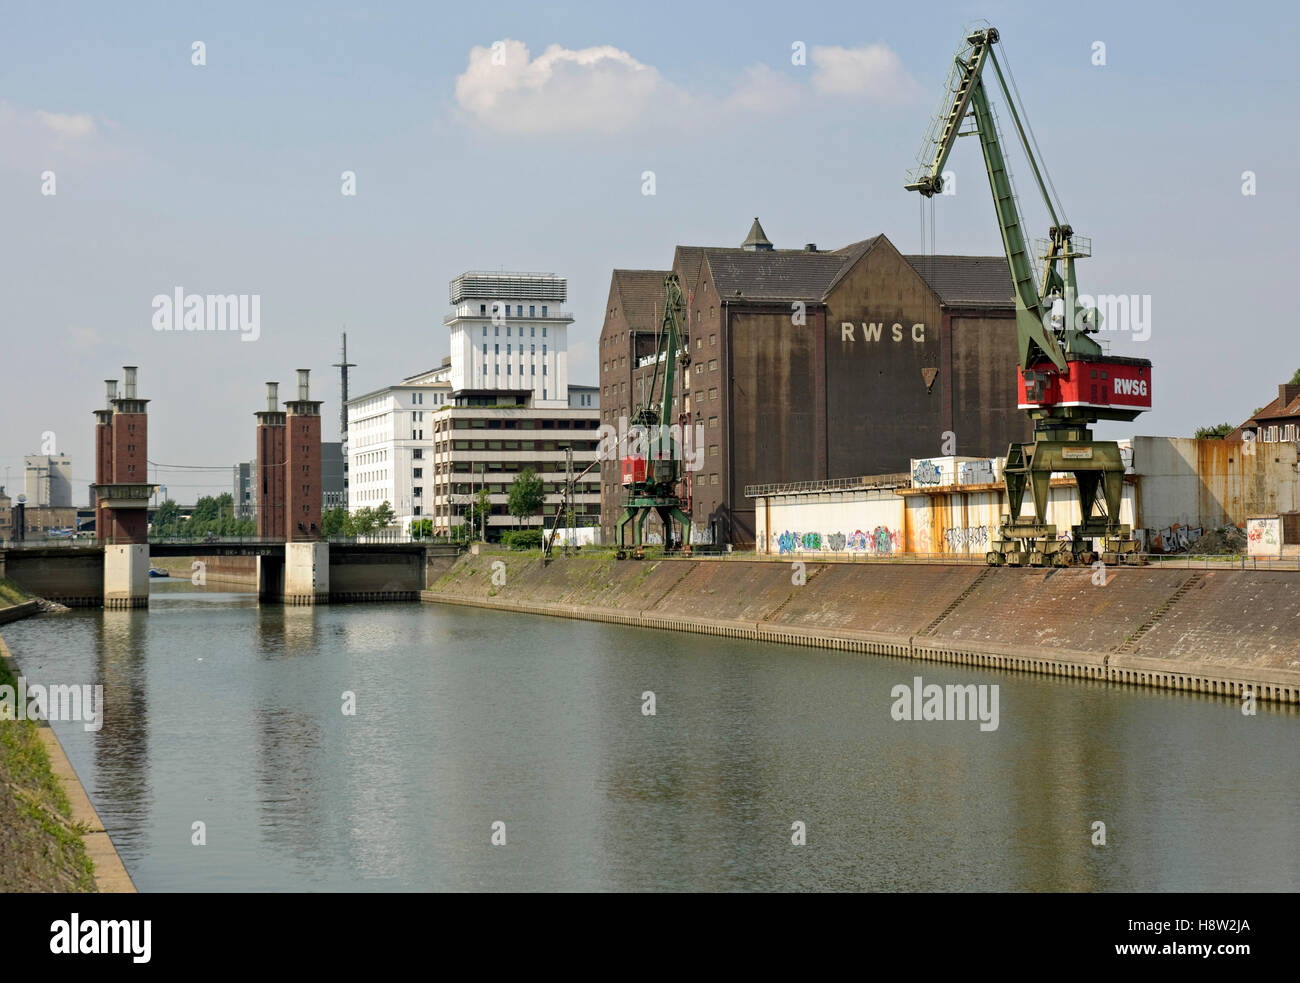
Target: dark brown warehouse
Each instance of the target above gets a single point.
(810, 364)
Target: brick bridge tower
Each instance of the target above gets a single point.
(303, 478)
(271, 467)
(122, 491)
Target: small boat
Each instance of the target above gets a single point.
(158, 572)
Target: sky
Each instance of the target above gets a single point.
(517, 136)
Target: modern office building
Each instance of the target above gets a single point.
(507, 332)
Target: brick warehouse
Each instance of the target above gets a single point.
(810, 364)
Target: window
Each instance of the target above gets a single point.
(485, 331)
(507, 331)
(419, 491)
(418, 473)
(713, 422)
(508, 347)
(496, 331)
(532, 332)
(713, 479)
(543, 351)
(543, 326)
(543, 315)
(496, 349)
(543, 368)
(507, 368)
(713, 340)
(713, 393)
(519, 310)
(485, 345)
(532, 349)
(713, 365)
(532, 311)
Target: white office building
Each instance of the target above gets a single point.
(509, 333)
(500, 403)
(390, 438)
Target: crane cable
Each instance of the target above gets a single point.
(1029, 128)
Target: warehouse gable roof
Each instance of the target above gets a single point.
(640, 296)
(775, 274)
(983, 281)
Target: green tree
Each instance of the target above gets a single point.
(384, 516)
(334, 522)
(361, 522)
(1217, 432)
(1295, 379)
(526, 495)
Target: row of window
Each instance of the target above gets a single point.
(1273, 434)
(496, 349)
(532, 330)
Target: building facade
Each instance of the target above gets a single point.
(47, 480)
(390, 433)
(1277, 420)
(507, 332)
(809, 364)
(484, 439)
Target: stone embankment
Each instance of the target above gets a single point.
(1205, 631)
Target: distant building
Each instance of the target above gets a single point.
(244, 492)
(1278, 421)
(390, 432)
(6, 516)
(811, 364)
(333, 478)
(47, 480)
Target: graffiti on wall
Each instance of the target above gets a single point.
(925, 473)
(967, 537)
(880, 541)
(1172, 539)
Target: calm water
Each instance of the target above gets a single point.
(226, 713)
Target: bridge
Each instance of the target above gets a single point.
(79, 575)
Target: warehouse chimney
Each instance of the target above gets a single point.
(110, 391)
(129, 384)
(303, 387)
(810, 247)
(272, 397)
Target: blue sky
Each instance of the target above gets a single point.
(225, 178)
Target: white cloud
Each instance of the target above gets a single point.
(71, 126)
(763, 88)
(604, 89)
(873, 71)
(560, 91)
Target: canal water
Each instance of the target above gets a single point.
(221, 712)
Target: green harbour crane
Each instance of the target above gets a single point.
(653, 471)
(1066, 382)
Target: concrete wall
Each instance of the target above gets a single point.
(1216, 632)
(1213, 483)
(375, 574)
(68, 575)
(876, 522)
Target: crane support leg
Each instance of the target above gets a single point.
(1097, 467)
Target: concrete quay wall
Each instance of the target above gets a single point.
(1218, 632)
